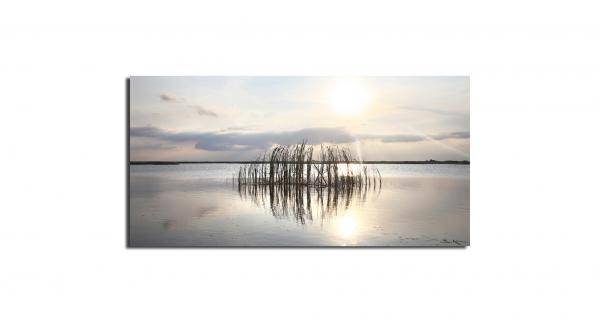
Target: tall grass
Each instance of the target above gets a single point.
(332, 167)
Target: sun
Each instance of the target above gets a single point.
(348, 97)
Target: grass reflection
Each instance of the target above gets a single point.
(307, 203)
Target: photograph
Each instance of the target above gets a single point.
(278, 161)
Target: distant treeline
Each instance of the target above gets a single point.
(431, 161)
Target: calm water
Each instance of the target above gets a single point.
(198, 205)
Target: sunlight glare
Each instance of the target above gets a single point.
(347, 226)
(348, 97)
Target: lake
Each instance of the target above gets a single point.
(198, 205)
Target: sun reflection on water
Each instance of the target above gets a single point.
(347, 226)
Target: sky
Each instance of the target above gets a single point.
(239, 118)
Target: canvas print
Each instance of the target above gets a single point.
(277, 161)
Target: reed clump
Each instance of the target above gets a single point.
(331, 166)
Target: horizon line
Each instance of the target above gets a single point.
(430, 161)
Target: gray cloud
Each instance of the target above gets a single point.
(239, 128)
(152, 146)
(245, 141)
(399, 138)
(433, 110)
(453, 135)
(415, 137)
(221, 141)
(203, 111)
(146, 131)
(170, 97)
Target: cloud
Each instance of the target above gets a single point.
(226, 141)
(239, 128)
(453, 135)
(399, 138)
(416, 137)
(168, 97)
(153, 146)
(264, 140)
(146, 131)
(203, 111)
(433, 110)
(217, 141)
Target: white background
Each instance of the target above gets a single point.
(535, 96)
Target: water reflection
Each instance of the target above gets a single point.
(308, 203)
(190, 205)
(347, 226)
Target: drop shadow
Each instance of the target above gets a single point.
(127, 168)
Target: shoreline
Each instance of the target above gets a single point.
(251, 162)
